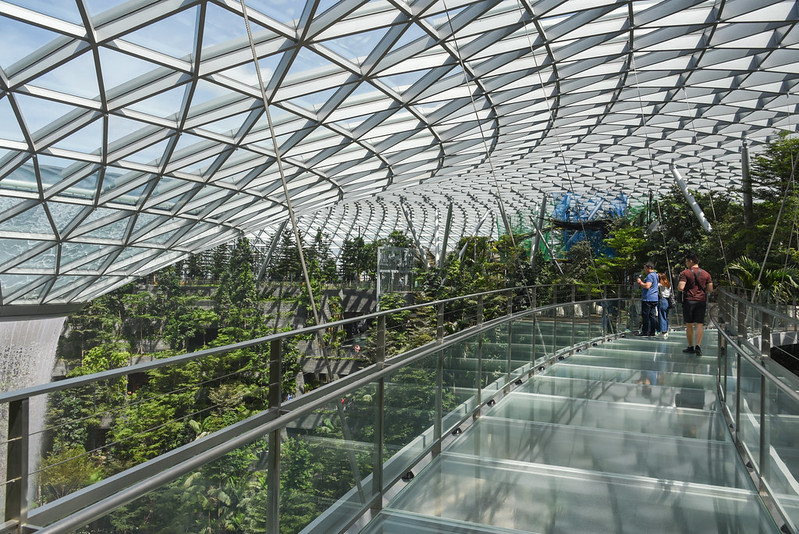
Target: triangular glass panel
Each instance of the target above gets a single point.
(187, 141)
(92, 267)
(64, 215)
(313, 102)
(13, 248)
(99, 214)
(173, 36)
(43, 261)
(121, 127)
(31, 221)
(85, 188)
(229, 125)
(412, 33)
(129, 197)
(223, 27)
(401, 82)
(9, 126)
(119, 68)
(39, 112)
(285, 11)
(197, 168)
(247, 74)
(151, 154)
(306, 62)
(356, 47)
(67, 11)
(62, 283)
(324, 5)
(77, 77)
(95, 7)
(73, 254)
(144, 222)
(26, 40)
(158, 239)
(87, 140)
(14, 283)
(114, 231)
(164, 105)
(206, 92)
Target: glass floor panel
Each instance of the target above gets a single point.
(588, 446)
(525, 498)
(629, 453)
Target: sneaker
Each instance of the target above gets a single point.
(698, 350)
(665, 335)
(689, 350)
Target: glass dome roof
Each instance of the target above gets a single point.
(133, 133)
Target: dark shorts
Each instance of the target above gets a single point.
(693, 311)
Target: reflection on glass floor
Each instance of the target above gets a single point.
(623, 437)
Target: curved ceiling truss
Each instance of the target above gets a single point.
(133, 133)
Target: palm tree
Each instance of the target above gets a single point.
(779, 283)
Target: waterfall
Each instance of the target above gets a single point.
(27, 356)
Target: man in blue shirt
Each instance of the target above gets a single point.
(649, 300)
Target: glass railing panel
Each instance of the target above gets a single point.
(782, 436)
(461, 379)
(544, 326)
(409, 414)
(521, 348)
(94, 431)
(228, 494)
(605, 451)
(495, 360)
(531, 498)
(749, 426)
(326, 462)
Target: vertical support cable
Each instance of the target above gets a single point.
(273, 460)
(17, 461)
(278, 158)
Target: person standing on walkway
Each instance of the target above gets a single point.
(649, 300)
(664, 303)
(696, 285)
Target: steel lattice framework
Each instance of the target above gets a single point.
(133, 133)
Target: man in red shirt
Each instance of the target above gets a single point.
(696, 285)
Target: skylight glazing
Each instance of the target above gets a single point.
(133, 133)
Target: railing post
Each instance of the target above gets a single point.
(17, 462)
(534, 303)
(377, 479)
(479, 354)
(273, 467)
(439, 322)
(554, 320)
(765, 440)
(574, 313)
(438, 423)
(590, 308)
(509, 351)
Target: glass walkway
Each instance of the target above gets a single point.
(528, 419)
(626, 436)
